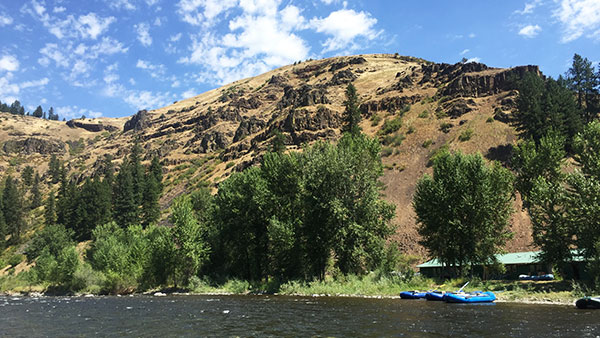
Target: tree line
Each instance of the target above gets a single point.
(17, 109)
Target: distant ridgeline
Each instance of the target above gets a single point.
(17, 109)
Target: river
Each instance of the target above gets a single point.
(261, 316)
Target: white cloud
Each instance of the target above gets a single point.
(475, 59)
(465, 51)
(203, 12)
(175, 38)
(5, 20)
(59, 9)
(144, 99)
(261, 38)
(143, 34)
(157, 21)
(530, 31)
(132, 81)
(188, 93)
(345, 26)
(89, 26)
(155, 71)
(472, 35)
(92, 26)
(329, 2)
(36, 83)
(121, 4)
(9, 63)
(75, 112)
(578, 17)
(9, 90)
(529, 7)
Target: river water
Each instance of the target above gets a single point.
(260, 316)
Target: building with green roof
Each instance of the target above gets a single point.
(515, 264)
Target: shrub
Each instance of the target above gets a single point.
(445, 127)
(395, 140)
(427, 143)
(411, 129)
(465, 135)
(489, 120)
(424, 114)
(375, 119)
(52, 238)
(440, 113)
(390, 126)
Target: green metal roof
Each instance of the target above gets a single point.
(529, 257)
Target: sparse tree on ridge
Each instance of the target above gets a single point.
(352, 116)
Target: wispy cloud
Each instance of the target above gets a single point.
(465, 51)
(9, 63)
(529, 7)
(530, 31)
(5, 20)
(578, 18)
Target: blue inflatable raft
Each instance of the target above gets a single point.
(473, 297)
(435, 295)
(412, 294)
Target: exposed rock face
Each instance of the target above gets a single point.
(458, 107)
(277, 80)
(389, 104)
(476, 85)
(208, 141)
(247, 127)
(34, 145)
(306, 95)
(345, 63)
(323, 118)
(443, 72)
(342, 77)
(243, 103)
(93, 127)
(138, 122)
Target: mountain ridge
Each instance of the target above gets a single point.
(414, 106)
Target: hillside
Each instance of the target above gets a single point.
(415, 106)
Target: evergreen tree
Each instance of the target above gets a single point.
(27, 175)
(36, 195)
(278, 142)
(352, 116)
(54, 169)
(3, 230)
(50, 210)
(13, 208)
(582, 80)
(16, 108)
(137, 172)
(125, 208)
(150, 206)
(156, 170)
(51, 115)
(38, 112)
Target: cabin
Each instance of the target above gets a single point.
(515, 264)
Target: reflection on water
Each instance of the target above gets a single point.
(285, 316)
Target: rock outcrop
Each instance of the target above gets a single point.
(33, 145)
(89, 126)
(138, 122)
(306, 95)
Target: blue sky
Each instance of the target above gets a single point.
(113, 57)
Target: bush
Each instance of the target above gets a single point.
(427, 143)
(391, 126)
(411, 129)
(237, 286)
(375, 119)
(394, 140)
(445, 127)
(465, 135)
(424, 114)
(489, 120)
(52, 238)
(14, 260)
(87, 279)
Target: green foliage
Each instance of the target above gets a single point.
(27, 175)
(531, 161)
(411, 129)
(445, 127)
(52, 239)
(54, 169)
(13, 211)
(375, 119)
(36, 195)
(424, 114)
(278, 142)
(465, 135)
(391, 126)
(190, 239)
(582, 79)
(57, 269)
(463, 209)
(427, 143)
(352, 116)
(387, 151)
(395, 140)
(545, 105)
(489, 120)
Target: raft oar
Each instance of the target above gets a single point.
(459, 290)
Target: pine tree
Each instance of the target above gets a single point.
(125, 208)
(16, 108)
(352, 116)
(38, 112)
(50, 210)
(36, 195)
(278, 142)
(137, 172)
(27, 175)
(51, 115)
(150, 206)
(54, 169)
(13, 208)
(2, 223)
(582, 80)
(157, 171)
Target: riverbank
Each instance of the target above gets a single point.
(370, 286)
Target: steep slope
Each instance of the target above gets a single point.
(413, 105)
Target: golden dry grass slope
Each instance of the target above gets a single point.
(414, 106)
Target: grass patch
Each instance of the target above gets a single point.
(394, 140)
(427, 143)
(424, 114)
(465, 135)
(375, 119)
(411, 129)
(445, 127)
(387, 151)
